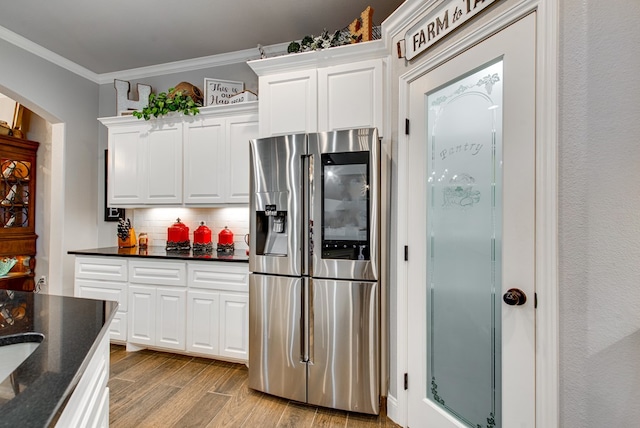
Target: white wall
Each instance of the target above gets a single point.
(40, 130)
(66, 99)
(599, 220)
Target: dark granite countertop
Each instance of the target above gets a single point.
(162, 253)
(72, 328)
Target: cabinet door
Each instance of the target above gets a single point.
(203, 322)
(126, 185)
(142, 310)
(170, 311)
(240, 130)
(288, 103)
(163, 166)
(350, 96)
(204, 153)
(234, 326)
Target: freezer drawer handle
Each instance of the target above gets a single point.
(309, 321)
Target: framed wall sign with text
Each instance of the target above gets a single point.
(220, 91)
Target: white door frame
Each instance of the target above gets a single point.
(546, 282)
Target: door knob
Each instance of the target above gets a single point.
(514, 297)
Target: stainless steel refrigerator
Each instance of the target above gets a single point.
(314, 306)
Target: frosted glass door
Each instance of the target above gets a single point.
(471, 237)
(464, 132)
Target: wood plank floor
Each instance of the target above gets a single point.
(156, 389)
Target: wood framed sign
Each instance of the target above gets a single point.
(220, 91)
(444, 20)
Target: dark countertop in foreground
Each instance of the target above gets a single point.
(162, 253)
(72, 328)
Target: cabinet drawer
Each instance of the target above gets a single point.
(158, 273)
(219, 276)
(110, 269)
(103, 290)
(12, 245)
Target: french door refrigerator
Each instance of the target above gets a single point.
(314, 261)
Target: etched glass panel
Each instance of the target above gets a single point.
(464, 120)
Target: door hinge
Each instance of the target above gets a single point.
(406, 253)
(535, 300)
(406, 126)
(406, 381)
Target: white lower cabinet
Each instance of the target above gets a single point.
(203, 312)
(218, 310)
(157, 316)
(192, 307)
(157, 297)
(234, 326)
(105, 278)
(88, 405)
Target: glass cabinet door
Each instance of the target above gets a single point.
(17, 213)
(15, 183)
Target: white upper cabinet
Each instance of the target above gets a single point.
(125, 170)
(350, 96)
(240, 129)
(204, 148)
(145, 164)
(336, 88)
(194, 160)
(288, 103)
(163, 164)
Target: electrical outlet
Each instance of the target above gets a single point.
(42, 282)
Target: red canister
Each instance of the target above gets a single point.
(225, 241)
(178, 237)
(202, 239)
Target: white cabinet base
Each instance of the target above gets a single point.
(88, 406)
(189, 307)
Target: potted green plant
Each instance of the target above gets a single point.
(167, 102)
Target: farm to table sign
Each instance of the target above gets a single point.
(445, 19)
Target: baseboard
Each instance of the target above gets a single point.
(393, 411)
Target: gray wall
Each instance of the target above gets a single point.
(599, 220)
(60, 96)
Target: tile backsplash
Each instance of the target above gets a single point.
(155, 221)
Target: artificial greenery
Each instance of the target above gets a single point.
(164, 103)
(323, 41)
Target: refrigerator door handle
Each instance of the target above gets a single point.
(307, 213)
(308, 315)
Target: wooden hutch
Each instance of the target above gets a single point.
(17, 211)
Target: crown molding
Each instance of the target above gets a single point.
(320, 58)
(193, 64)
(46, 54)
(141, 72)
